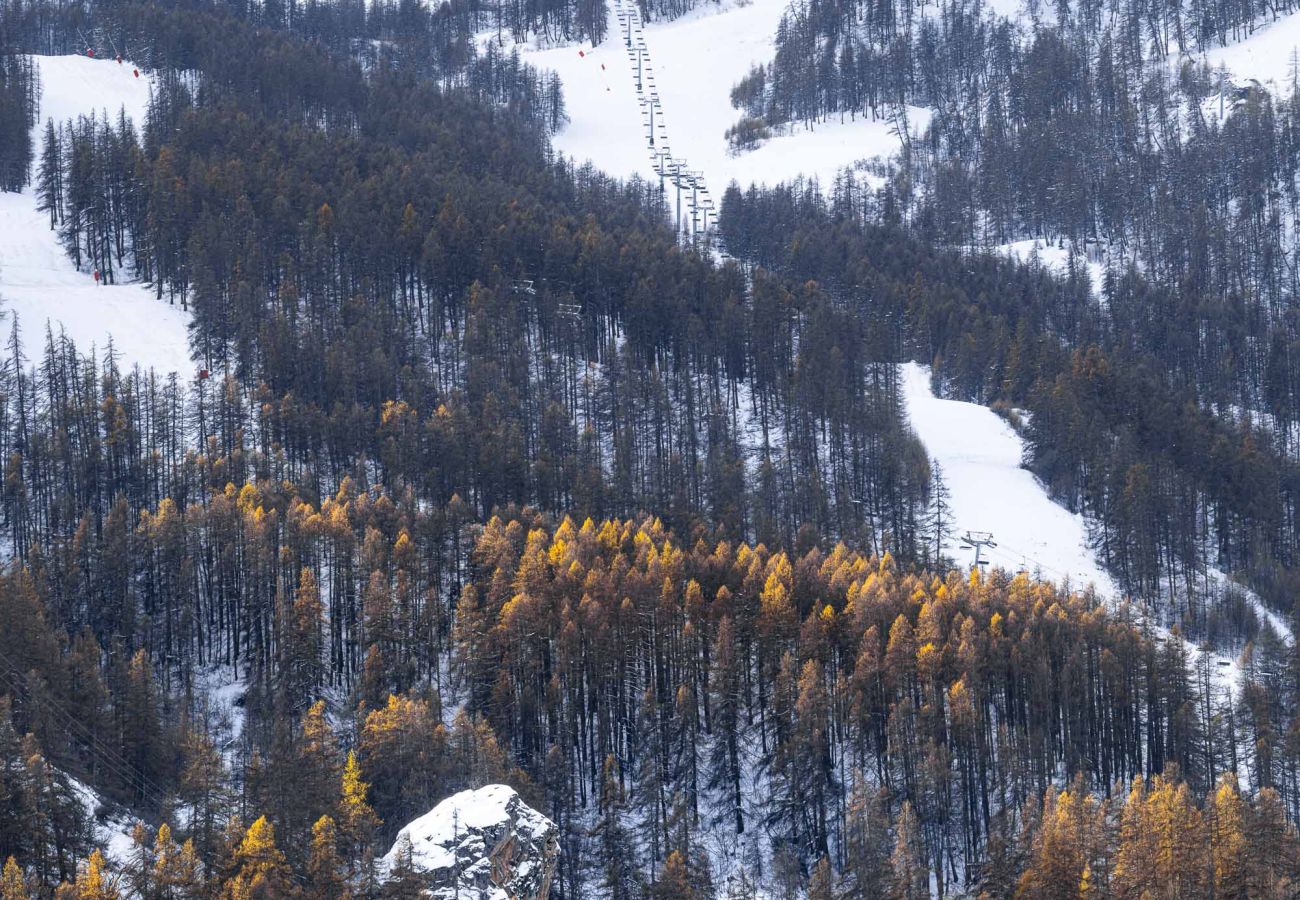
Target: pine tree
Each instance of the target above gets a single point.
(325, 876)
(867, 843)
(911, 875)
(356, 819)
(1228, 843)
(94, 883)
(49, 176)
(618, 860)
(13, 884)
(138, 870)
(177, 872)
(821, 883)
(301, 667)
(261, 871)
(405, 881)
(675, 882)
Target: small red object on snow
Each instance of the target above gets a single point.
(583, 55)
(136, 72)
(97, 276)
(90, 52)
(119, 59)
(203, 373)
(602, 67)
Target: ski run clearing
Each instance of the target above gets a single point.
(979, 455)
(980, 458)
(38, 282)
(697, 59)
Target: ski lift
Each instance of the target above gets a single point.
(203, 374)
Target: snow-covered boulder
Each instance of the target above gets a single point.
(485, 844)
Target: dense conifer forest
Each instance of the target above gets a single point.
(480, 476)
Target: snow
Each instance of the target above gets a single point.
(74, 86)
(1268, 55)
(696, 61)
(485, 844)
(223, 690)
(980, 456)
(1055, 259)
(435, 835)
(112, 832)
(38, 282)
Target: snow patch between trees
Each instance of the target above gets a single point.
(38, 282)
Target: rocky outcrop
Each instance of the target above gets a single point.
(485, 844)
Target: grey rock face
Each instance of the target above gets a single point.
(485, 844)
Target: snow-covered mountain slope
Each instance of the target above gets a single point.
(697, 60)
(980, 456)
(38, 282)
(1268, 55)
(1056, 259)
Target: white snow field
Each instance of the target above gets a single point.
(38, 282)
(980, 456)
(1268, 55)
(697, 60)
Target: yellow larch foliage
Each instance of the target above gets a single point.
(1228, 839)
(94, 884)
(261, 868)
(13, 886)
(357, 819)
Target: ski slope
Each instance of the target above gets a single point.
(697, 60)
(38, 282)
(980, 456)
(1268, 55)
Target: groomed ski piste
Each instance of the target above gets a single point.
(980, 456)
(697, 59)
(38, 282)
